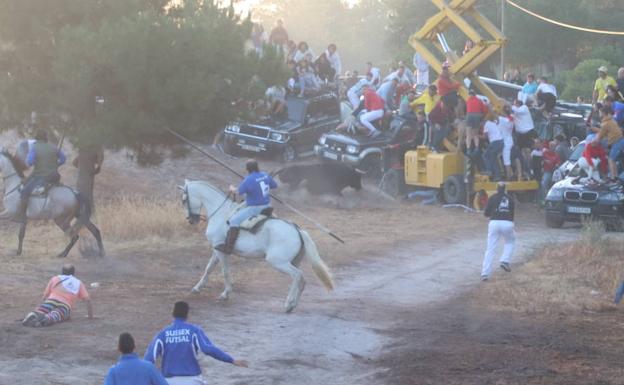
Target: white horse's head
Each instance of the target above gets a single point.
(198, 194)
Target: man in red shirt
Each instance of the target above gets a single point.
(550, 161)
(59, 297)
(374, 106)
(475, 111)
(447, 87)
(440, 119)
(594, 155)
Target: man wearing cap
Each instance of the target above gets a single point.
(500, 210)
(59, 297)
(600, 86)
(179, 345)
(131, 370)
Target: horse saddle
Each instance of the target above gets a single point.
(41, 191)
(254, 224)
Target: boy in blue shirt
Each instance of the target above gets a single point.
(179, 345)
(131, 370)
(257, 188)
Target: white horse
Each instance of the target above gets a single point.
(61, 204)
(281, 243)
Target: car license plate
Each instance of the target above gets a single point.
(579, 210)
(250, 148)
(330, 155)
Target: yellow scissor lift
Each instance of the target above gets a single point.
(452, 171)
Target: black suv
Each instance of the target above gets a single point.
(288, 137)
(568, 119)
(361, 152)
(571, 200)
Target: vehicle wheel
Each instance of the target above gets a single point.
(371, 166)
(553, 222)
(454, 190)
(230, 148)
(289, 154)
(392, 183)
(527, 196)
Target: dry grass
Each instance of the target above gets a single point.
(140, 218)
(562, 279)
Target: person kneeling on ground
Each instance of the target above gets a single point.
(500, 209)
(131, 370)
(58, 299)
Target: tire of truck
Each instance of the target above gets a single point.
(289, 154)
(454, 190)
(230, 148)
(391, 183)
(371, 166)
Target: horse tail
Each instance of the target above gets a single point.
(312, 255)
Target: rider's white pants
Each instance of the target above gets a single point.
(368, 117)
(245, 213)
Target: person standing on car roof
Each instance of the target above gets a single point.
(500, 209)
(613, 133)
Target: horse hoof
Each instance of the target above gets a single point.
(194, 290)
(224, 297)
(289, 308)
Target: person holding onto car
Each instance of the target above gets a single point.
(610, 131)
(374, 106)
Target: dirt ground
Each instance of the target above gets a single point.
(406, 309)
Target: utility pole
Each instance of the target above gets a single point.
(502, 62)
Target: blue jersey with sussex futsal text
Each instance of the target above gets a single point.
(257, 188)
(179, 345)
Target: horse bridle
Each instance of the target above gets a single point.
(195, 218)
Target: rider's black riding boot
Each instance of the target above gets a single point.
(230, 241)
(20, 216)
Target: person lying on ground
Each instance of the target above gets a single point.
(59, 297)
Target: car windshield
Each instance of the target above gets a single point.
(577, 152)
(296, 110)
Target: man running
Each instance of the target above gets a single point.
(46, 158)
(131, 370)
(500, 210)
(257, 188)
(179, 345)
(59, 297)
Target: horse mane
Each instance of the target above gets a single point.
(206, 184)
(17, 164)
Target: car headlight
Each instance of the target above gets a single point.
(277, 136)
(555, 194)
(233, 128)
(351, 149)
(612, 196)
(322, 140)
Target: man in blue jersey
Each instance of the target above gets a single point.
(179, 345)
(131, 370)
(257, 188)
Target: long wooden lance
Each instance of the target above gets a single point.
(275, 197)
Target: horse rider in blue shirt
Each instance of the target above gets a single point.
(179, 345)
(45, 159)
(132, 370)
(257, 188)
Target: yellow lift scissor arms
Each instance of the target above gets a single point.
(454, 14)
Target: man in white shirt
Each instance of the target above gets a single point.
(355, 93)
(547, 95)
(525, 128)
(334, 59)
(375, 74)
(495, 148)
(399, 74)
(387, 91)
(422, 70)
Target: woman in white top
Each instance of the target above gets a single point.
(303, 49)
